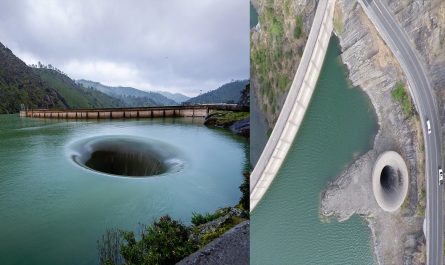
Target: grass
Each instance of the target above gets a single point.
(199, 219)
(420, 207)
(208, 237)
(226, 118)
(298, 29)
(399, 95)
(276, 28)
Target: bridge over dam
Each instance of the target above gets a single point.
(131, 113)
(295, 106)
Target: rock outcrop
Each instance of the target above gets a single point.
(231, 248)
(397, 236)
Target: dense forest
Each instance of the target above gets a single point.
(227, 93)
(19, 84)
(74, 95)
(43, 86)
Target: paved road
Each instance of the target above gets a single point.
(424, 99)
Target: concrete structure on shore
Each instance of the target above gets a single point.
(130, 113)
(390, 181)
(296, 103)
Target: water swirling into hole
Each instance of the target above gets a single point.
(126, 156)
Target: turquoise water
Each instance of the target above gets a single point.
(52, 210)
(253, 16)
(339, 125)
(258, 130)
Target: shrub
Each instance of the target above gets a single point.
(244, 188)
(166, 241)
(399, 95)
(298, 30)
(199, 219)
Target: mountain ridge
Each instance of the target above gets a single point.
(227, 93)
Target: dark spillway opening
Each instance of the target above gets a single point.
(390, 179)
(124, 161)
(126, 156)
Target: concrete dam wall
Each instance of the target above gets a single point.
(130, 113)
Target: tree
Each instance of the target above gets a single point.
(166, 241)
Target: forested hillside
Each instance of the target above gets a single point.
(19, 84)
(75, 95)
(178, 97)
(227, 93)
(131, 97)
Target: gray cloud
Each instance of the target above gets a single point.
(174, 45)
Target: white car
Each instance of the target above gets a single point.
(428, 126)
(440, 176)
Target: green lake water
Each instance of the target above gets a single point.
(253, 16)
(286, 227)
(52, 210)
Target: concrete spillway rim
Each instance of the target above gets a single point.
(394, 160)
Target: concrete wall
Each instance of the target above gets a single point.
(130, 113)
(296, 103)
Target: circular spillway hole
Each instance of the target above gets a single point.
(126, 156)
(390, 179)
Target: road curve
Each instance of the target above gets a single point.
(424, 100)
(296, 103)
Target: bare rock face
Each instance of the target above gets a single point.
(397, 236)
(231, 248)
(424, 22)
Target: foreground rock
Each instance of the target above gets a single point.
(232, 248)
(398, 237)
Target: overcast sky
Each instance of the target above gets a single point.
(172, 45)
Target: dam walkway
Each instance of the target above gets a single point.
(131, 113)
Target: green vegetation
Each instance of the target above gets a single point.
(43, 86)
(421, 207)
(74, 95)
(167, 241)
(298, 29)
(131, 97)
(231, 222)
(20, 85)
(245, 190)
(228, 93)
(276, 51)
(223, 118)
(199, 219)
(399, 95)
(277, 28)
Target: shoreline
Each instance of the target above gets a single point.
(375, 71)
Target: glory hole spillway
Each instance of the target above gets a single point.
(63, 183)
(286, 226)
